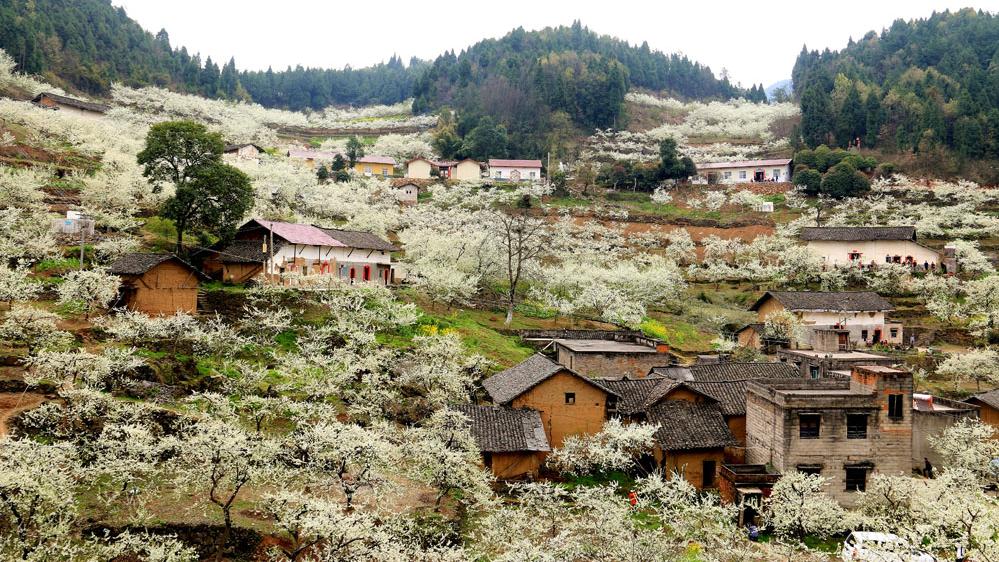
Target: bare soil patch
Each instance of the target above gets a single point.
(13, 403)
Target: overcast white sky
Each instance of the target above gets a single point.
(757, 41)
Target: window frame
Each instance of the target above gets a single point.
(855, 432)
(818, 426)
(570, 398)
(896, 407)
(855, 486)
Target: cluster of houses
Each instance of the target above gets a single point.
(162, 283)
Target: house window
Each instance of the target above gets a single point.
(895, 406)
(863, 335)
(808, 426)
(812, 469)
(353, 274)
(894, 333)
(570, 397)
(776, 173)
(728, 175)
(367, 169)
(708, 470)
(384, 172)
(742, 174)
(367, 273)
(532, 175)
(813, 371)
(856, 426)
(611, 404)
(499, 174)
(856, 478)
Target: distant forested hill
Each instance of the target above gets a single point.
(920, 85)
(88, 44)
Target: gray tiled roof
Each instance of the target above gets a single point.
(247, 251)
(842, 301)
(685, 425)
(858, 233)
(73, 102)
(139, 263)
(498, 429)
(360, 240)
(729, 371)
(731, 396)
(506, 385)
(632, 393)
(991, 398)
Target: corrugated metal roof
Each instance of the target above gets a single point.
(744, 164)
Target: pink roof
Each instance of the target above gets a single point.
(497, 163)
(744, 164)
(377, 160)
(301, 233)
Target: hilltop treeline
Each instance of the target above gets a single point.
(919, 85)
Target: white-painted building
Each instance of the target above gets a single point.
(467, 170)
(872, 246)
(745, 171)
(860, 317)
(515, 170)
(419, 168)
(243, 151)
(406, 192)
(350, 255)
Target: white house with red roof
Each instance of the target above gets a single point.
(274, 247)
(745, 171)
(515, 170)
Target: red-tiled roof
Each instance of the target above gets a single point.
(744, 164)
(498, 163)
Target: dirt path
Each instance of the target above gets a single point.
(13, 403)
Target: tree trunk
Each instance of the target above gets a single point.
(509, 312)
(224, 539)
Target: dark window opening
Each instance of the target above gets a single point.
(813, 371)
(856, 426)
(570, 397)
(896, 409)
(894, 333)
(487, 460)
(856, 478)
(808, 426)
(812, 469)
(708, 469)
(863, 335)
(611, 403)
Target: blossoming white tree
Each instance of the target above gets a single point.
(89, 290)
(617, 446)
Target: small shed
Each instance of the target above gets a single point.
(157, 283)
(512, 442)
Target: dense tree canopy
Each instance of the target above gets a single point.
(918, 85)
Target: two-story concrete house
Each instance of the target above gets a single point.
(843, 429)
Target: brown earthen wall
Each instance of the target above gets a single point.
(585, 416)
(165, 289)
(509, 466)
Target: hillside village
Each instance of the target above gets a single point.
(233, 332)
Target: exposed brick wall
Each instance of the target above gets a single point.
(613, 364)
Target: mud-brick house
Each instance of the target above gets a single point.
(988, 404)
(727, 383)
(858, 317)
(67, 104)
(274, 248)
(693, 438)
(157, 283)
(844, 429)
(568, 402)
(513, 442)
(246, 151)
(872, 246)
(600, 353)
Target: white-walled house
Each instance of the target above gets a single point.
(350, 255)
(515, 170)
(419, 168)
(745, 171)
(859, 318)
(248, 151)
(872, 246)
(467, 170)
